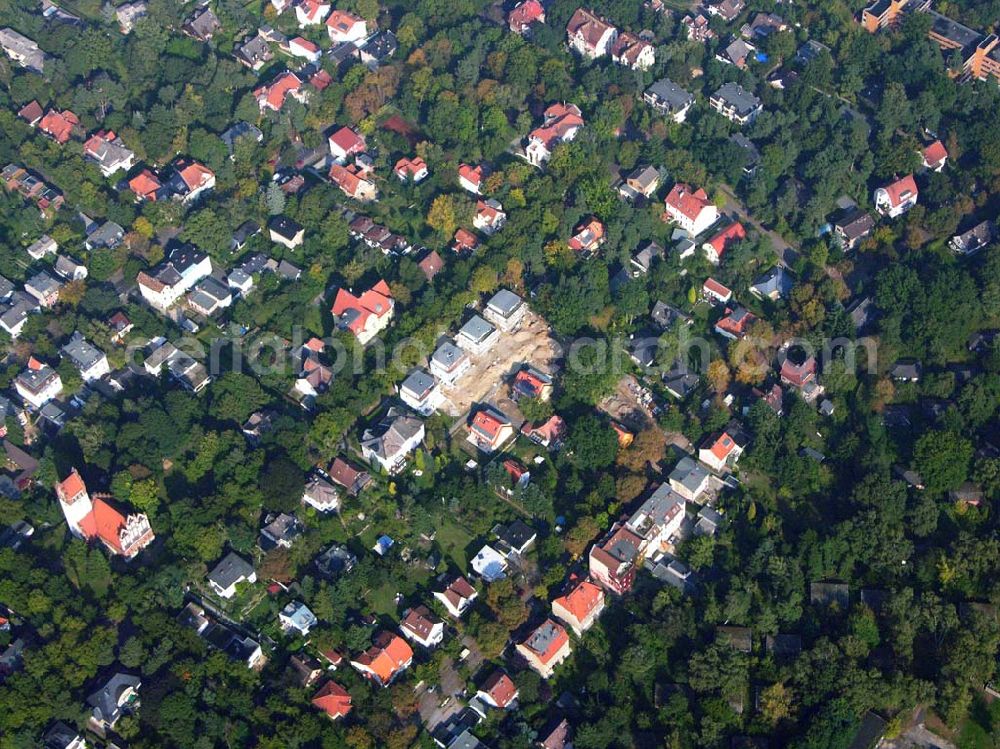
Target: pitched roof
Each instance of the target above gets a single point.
(387, 656)
(582, 600)
(333, 700)
(500, 688)
(473, 174)
(420, 622)
(431, 265)
(525, 14)
(901, 190)
(488, 422)
(279, 88)
(689, 203)
(732, 233)
(145, 184)
(59, 124)
(547, 640)
(194, 175)
(347, 140)
(935, 154)
(376, 301)
(343, 21)
(588, 26)
(559, 120)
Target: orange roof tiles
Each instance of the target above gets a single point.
(582, 600)
(333, 700)
(688, 202)
(145, 185)
(59, 125)
(902, 190)
(934, 154)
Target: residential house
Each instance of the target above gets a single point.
(489, 564)
(735, 322)
(505, 310)
(221, 636)
(560, 124)
(297, 617)
(906, 370)
(333, 700)
(498, 691)
(852, 228)
(420, 392)
(556, 735)
(344, 143)
(689, 479)
(254, 53)
(690, 209)
(109, 152)
(238, 132)
(165, 283)
(588, 236)
(895, 199)
(465, 242)
(613, 559)
(60, 126)
(306, 669)
(720, 452)
(589, 35)
(115, 696)
(775, 284)
(524, 15)
(934, 157)
(530, 383)
(343, 26)
(129, 14)
(716, 247)
(632, 51)
(107, 236)
(477, 336)
(470, 178)
(641, 183)
(311, 12)
(203, 25)
(99, 518)
(449, 362)
(457, 596)
(88, 359)
(232, 570)
(431, 265)
(210, 296)
(882, 14)
(549, 433)
(385, 660)
(411, 170)
(31, 113)
(763, 25)
(309, 51)
(366, 315)
(514, 539)
(286, 232)
(191, 180)
(320, 494)
(31, 187)
(61, 736)
(378, 48)
(975, 239)
(390, 442)
(147, 186)
(545, 648)
(45, 245)
(335, 561)
(120, 326)
(489, 429)
(736, 104)
(581, 607)
(419, 625)
(697, 28)
(44, 288)
(750, 153)
(22, 50)
(490, 216)
(658, 520)
(727, 10)
(715, 292)
(280, 530)
(353, 183)
(798, 374)
(273, 95)
(353, 480)
(738, 52)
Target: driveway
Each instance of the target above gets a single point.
(786, 253)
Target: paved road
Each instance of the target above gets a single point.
(786, 253)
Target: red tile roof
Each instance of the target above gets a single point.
(525, 14)
(348, 141)
(714, 287)
(688, 202)
(431, 265)
(935, 154)
(902, 190)
(500, 688)
(582, 600)
(465, 240)
(410, 167)
(588, 26)
(195, 175)
(471, 174)
(333, 700)
(343, 21)
(376, 301)
(31, 112)
(276, 92)
(732, 233)
(560, 119)
(387, 657)
(59, 124)
(552, 644)
(145, 185)
(488, 423)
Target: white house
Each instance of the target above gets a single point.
(449, 362)
(230, 572)
(896, 199)
(166, 283)
(38, 384)
(589, 35)
(457, 597)
(390, 442)
(419, 625)
(490, 564)
(344, 26)
(311, 12)
(91, 361)
(478, 336)
(321, 494)
(690, 209)
(560, 124)
(658, 519)
(420, 392)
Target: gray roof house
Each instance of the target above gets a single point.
(389, 442)
(44, 245)
(202, 25)
(90, 360)
(669, 98)
(229, 572)
(255, 53)
(109, 235)
(70, 269)
(975, 239)
(115, 697)
(239, 130)
(735, 103)
(504, 309)
(477, 335)
(775, 284)
(279, 530)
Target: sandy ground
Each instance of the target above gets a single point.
(624, 404)
(485, 380)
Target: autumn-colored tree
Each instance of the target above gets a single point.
(776, 703)
(443, 216)
(718, 375)
(72, 293)
(580, 535)
(649, 446)
(630, 486)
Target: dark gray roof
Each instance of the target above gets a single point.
(82, 354)
(106, 699)
(231, 569)
(476, 329)
(239, 130)
(668, 94)
(418, 382)
(734, 95)
(689, 473)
